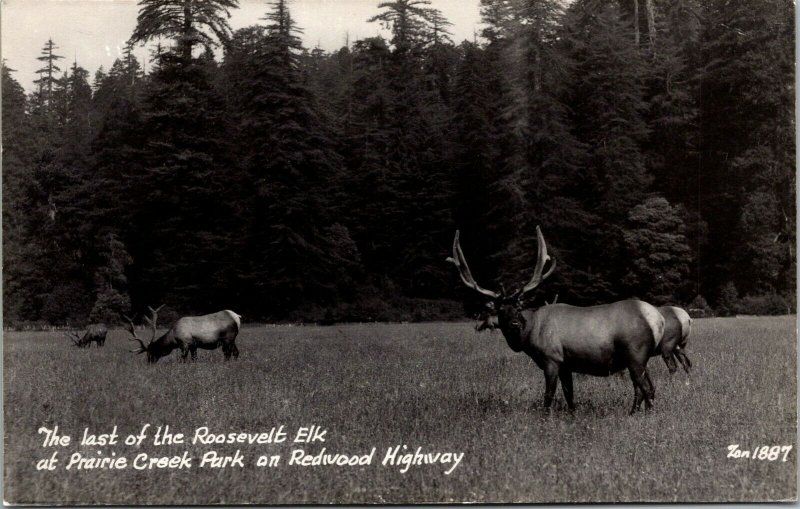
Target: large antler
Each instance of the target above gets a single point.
(152, 321)
(132, 330)
(541, 260)
(463, 269)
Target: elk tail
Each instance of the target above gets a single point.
(237, 319)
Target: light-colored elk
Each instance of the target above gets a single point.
(563, 339)
(678, 326)
(190, 333)
(95, 333)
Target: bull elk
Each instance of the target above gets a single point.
(95, 333)
(677, 327)
(563, 339)
(190, 333)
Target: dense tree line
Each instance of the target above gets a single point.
(651, 139)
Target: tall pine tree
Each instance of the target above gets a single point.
(748, 160)
(299, 255)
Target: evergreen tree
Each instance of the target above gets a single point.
(658, 253)
(183, 231)
(672, 149)
(47, 78)
(122, 84)
(414, 157)
(372, 205)
(55, 224)
(541, 179)
(188, 22)
(748, 179)
(118, 148)
(298, 254)
(75, 117)
(475, 153)
(112, 300)
(608, 99)
(410, 22)
(23, 278)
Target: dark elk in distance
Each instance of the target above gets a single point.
(677, 326)
(95, 333)
(190, 333)
(562, 339)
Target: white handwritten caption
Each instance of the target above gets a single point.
(399, 456)
(763, 453)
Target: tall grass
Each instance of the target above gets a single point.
(439, 386)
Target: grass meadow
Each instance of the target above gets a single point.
(439, 386)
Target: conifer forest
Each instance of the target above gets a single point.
(651, 140)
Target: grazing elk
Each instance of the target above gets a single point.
(95, 333)
(677, 326)
(562, 339)
(190, 333)
(487, 319)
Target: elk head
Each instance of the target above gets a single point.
(507, 307)
(153, 353)
(75, 338)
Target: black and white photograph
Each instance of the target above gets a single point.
(283, 252)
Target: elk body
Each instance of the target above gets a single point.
(189, 333)
(677, 327)
(563, 339)
(95, 333)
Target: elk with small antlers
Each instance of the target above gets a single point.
(563, 339)
(95, 333)
(190, 333)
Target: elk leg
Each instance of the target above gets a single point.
(684, 360)
(551, 383)
(639, 388)
(235, 351)
(650, 390)
(193, 351)
(565, 376)
(669, 360)
(226, 349)
(637, 398)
